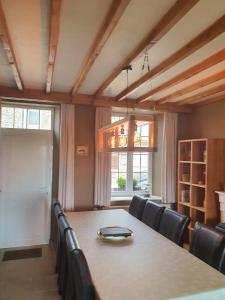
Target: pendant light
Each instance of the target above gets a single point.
(122, 138)
(124, 135)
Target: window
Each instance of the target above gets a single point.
(26, 118)
(131, 172)
(116, 118)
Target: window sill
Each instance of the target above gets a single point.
(115, 200)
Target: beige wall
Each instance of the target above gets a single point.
(157, 158)
(84, 166)
(205, 122)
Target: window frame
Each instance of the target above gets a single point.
(129, 192)
(27, 106)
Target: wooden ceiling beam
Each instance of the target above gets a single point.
(200, 96)
(202, 66)
(195, 44)
(34, 95)
(105, 101)
(177, 11)
(210, 101)
(39, 96)
(53, 41)
(9, 50)
(195, 86)
(115, 13)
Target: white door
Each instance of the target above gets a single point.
(25, 187)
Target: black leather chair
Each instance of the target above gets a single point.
(137, 206)
(71, 245)
(152, 214)
(83, 286)
(208, 244)
(54, 226)
(58, 210)
(173, 226)
(222, 263)
(55, 202)
(63, 226)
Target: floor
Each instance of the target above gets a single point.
(29, 279)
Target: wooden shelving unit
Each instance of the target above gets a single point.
(201, 171)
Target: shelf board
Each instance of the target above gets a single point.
(199, 140)
(185, 141)
(199, 185)
(185, 161)
(183, 182)
(185, 204)
(200, 208)
(199, 162)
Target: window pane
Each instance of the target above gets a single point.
(20, 118)
(136, 181)
(122, 181)
(114, 162)
(144, 141)
(123, 162)
(136, 163)
(114, 181)
(7, 116)
(144, 162)
(45, 119)
(145, 130)
(116, 118)
(144, 180)
(33, 119)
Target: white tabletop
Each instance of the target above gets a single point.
(148, 267)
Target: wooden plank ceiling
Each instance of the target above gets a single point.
(75, 51)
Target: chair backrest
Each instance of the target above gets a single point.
(152, 214)
(137, 206)
(173, 226)
(61, 258)
(71, 240)
(55, 202)
(71, 245)
(84, 288)
(63, 225)
(222, 263)
(207, 244)
(58, 211)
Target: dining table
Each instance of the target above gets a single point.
(145, 266)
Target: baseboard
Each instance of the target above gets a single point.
(25, 242)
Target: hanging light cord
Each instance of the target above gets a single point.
(127, 88)
(127, 69)
(146, 61)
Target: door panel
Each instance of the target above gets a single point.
(25, 184)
